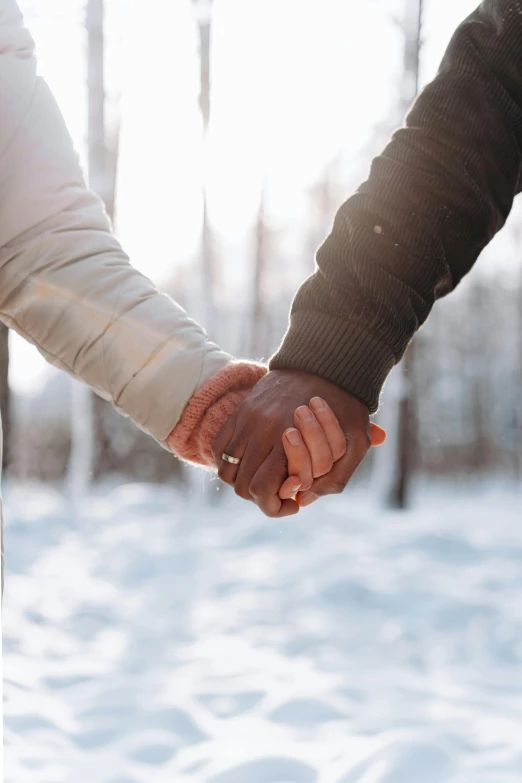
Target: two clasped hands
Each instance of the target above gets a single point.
(440, 190)
(283, 467)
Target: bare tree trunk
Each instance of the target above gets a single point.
(5, 396)
(112, 154)
(103, 460)
(206, 306)
(517, 439)
(518, 402)
(258, 330)
(323, 200)
(203, 10)
(482, 403)
(97, 158)
(405, 445)
(394, 463)
(82, 420)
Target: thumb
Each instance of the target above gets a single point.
(378, 435)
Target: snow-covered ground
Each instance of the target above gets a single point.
(161, 640)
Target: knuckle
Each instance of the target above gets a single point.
(216, 453)
(361, 442)
(333, 487)
(221, 470)
(242, 492)
(256, 488)
(322, 466)
(339, 450)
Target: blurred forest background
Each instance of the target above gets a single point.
(223, 136)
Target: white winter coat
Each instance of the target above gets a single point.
(65, 283)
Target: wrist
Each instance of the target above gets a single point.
(208, 410)
(340, 352)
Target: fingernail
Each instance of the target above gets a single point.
(293, 437)
(304, 413)
(307, 499)
(296, 489)
(317, 404)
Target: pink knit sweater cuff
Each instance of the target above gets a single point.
(208, 410)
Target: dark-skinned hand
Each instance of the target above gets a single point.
(254, 435)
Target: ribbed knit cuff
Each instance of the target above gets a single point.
(338, 351)
(208, 410)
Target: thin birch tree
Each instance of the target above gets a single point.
(82, 419)
(203, 13)
(394, 463)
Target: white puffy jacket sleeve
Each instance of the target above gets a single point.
(65, 283)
